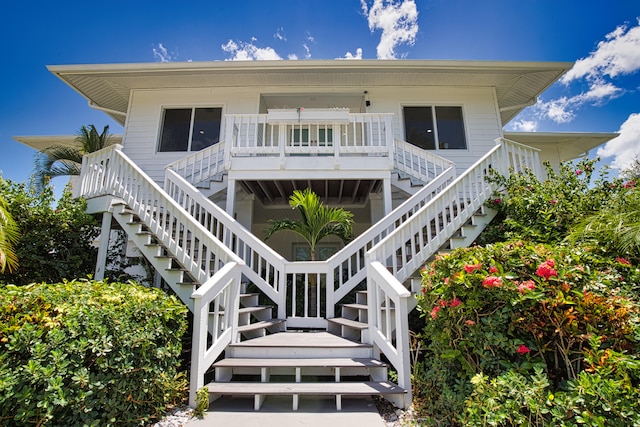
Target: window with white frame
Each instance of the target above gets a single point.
(435, 127)
(189, 129)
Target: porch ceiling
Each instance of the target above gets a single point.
(109, 85)
(332, 192)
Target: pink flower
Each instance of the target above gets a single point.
(497, 201)
(623, 261)
(579, 172)
(455, 302)
(434, 312)
(470, 268)
(442, 303)
(629, 184)
(469, 322)
(553, 202)
(446, 280)
(529, 285)
(492, 282)
(523, 349)
(493, 269)
(546, 269)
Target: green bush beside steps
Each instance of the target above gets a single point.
(87, 352)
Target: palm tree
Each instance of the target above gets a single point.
(318, 221)
(9, 236)
(60, 160)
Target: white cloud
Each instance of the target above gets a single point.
(280, 34)
(618, 54)
(307, 51)
(398, 21)
(162, 54)
(292, 57)
(349, 55)
(626, 147)
(524, 125)
(243, 51)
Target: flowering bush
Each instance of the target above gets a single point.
(545, 211)
(517, 307)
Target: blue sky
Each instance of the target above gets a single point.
(600, 94)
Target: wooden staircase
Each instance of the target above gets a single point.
(300, 364)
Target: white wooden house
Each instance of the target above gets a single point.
(211, 151)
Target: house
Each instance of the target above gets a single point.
(211, 151)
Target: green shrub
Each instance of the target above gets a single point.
(517, 307)
(88, 353)
(55, 243)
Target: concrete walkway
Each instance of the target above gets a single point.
(276, 412)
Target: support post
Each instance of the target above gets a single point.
(103, 248)
(386, 191)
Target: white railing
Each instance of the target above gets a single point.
(417, 162)
(201, 165)
(222, 292)
(257, 135)
(388, 314)
(408, 246)
(262, 265)
(208, 260)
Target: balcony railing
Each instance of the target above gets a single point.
(317, 132)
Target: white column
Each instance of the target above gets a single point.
(103, 248)
(244, 210)
(386, 194)
(231, 197)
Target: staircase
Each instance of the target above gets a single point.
(207, 259)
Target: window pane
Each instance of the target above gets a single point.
(206, 128)
(450, 128)
(175, 130)
(418, 127)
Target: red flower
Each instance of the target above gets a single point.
(470, 268)
(492, 282)
(579, 172)
(497, 201)
(434, 312)
(455, 302)
(493, 269)
(553, 202)
(469, 322)
(442, 303)
(546, 269)
(623, 261)
(523, 349)
(529, 285)
(629, 184)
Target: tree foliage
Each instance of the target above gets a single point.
(54, 243)
(9, 235)
(60, 160)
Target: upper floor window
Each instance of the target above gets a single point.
(190, 129)
(435, 128)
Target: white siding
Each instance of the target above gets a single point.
(482, 124)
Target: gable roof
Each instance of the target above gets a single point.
(108, 86)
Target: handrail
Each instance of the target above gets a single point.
(417, 162)
(202, 165)
(262, 265)
(223, 289)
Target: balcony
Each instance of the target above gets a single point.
(309, 139)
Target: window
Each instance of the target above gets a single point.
(190, 129)
(435, 128)
(324, 251)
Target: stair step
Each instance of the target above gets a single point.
(349, 323)
(260, 325)
(253, 309)
(353, 388)
(356, 306)
(340, 362)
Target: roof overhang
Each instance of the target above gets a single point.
(42, 142)
(567, 146)
(109, 86)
